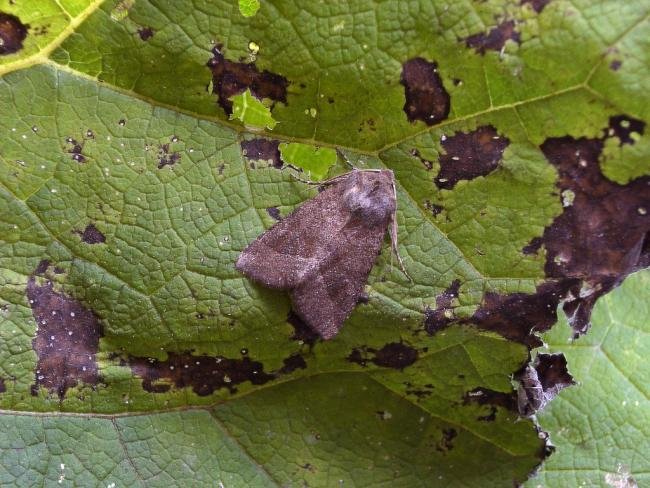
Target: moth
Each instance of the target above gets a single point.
(323, 252)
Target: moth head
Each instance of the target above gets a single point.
(370, 196)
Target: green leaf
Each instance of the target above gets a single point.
(316, 161)
(248, 8)
(601, 428)
(133, 352)
(251, 111)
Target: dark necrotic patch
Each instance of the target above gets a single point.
(66, 340)
(12, 34)
(230, 78)
(445, 444)
(75, 150)
(274, 213)
(262, 150)
(3, 387)
(293, 363)
(426, 97)
(396, 355)
(491, 416)
(601, 236)
(166, 157)
(533, 246)
(302, 332)
(615, 65)
(434, 208)
(42, 267)
(470, 155)
(518, 316)
(442, 316)
(428, 165)
(204, 374)
(537, 5)
(495, 39)
(623, 126)
(541, 381)
(552, 371)
(486, 396)
(92, 235)
(145, 33)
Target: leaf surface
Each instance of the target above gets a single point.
(131, 350)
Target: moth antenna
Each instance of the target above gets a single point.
(345, 158)
(393, 239)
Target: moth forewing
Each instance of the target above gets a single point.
(323, 251)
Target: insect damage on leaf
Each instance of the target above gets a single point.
(323, 252)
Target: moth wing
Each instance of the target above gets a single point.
(327, 297)
(293, 248)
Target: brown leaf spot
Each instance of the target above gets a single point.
(533, 246)
(538, 5)
(167, 158)
(602, 235)
(445, 443)
(12, 34)
(262, 150)
(204, 374)
(518, 316)
(426, 97)
(615, 65)
(145, 33)
(434, 208)
(486, 396)
(417, 391)
(231, 78)
(428, 165)
(66, 340)
(622, 126)
(91, 235)
(274, 213)
(396, 355)
(292, 363)
(470, 155)
(42, 267)
(435, 320)
(495, 39)
(302, 332)
(75, 150)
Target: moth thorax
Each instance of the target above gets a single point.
(371, 202)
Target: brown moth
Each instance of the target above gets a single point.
(323, 252)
